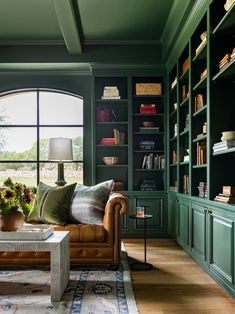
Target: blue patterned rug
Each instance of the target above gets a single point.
(91, 290)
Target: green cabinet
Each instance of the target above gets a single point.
(155, 205)
(221, 245)
(198, 232)
(183, 222)
(172, 210)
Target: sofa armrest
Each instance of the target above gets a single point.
(116, 202)
(115, 207)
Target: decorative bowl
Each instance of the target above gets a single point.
(228, 136)
(110, 160)
(148, 124)
(203, 35)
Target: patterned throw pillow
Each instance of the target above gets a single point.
(88, 203)
(51, 204)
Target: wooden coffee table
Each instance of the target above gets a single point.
(58, 246)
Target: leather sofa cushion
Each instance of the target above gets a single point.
(83, 232)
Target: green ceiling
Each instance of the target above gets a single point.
(85, 27)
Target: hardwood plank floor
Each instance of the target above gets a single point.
(176, 284)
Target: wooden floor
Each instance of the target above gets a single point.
(176, 284)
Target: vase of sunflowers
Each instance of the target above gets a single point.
(15, 204)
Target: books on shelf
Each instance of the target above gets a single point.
(223, 145)
(148, 109)
(153, 161)
(201, 153)
(105, 114)
(119, 138)
(185, 92)
(224, 61)
(202, 188)
(118, 185)
(198, 102)
(146, 145)
(111, 92)
(203, 74)
(185, 184)
(148, 185)
(185, 65)
(200, 47)
(174, 157)
(228, 195)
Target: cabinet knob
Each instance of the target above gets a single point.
(209, 211)
(205, 211)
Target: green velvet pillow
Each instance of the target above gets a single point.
(51, 204)
(88, 203)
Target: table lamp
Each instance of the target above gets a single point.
(60, 149)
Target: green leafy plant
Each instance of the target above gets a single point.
(14, 196)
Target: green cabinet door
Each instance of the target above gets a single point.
(221, 245)
(183, 223)
(172, 210)
(198, 232)
(155, 205)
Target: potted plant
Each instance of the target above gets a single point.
(15, 204)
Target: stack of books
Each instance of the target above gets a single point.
(107, 141)
(185, 184)
(228, 195)
(146, 145)
(225, 60)
(148, 185)
(224, 145)
(111, 92)
(202, 188)
(118, 185)
(201, 153)
(148, 109)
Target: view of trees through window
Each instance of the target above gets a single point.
(27, 120)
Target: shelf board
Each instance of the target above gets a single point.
(226, 22)
(226, 72)
(185, 74)
(147, 96)
(173, 165)
(184, 102)
(111, 122)
(173, 138)
(173, 112)
(152, 133)
(200, 111)
(201, 54)
(201, 84)
(111, 100)
(111, 166)
(184, 163)
(184, 132)
(200, 166)
(148, 114)
(146, 151)
(112, 145)
(226, 151)
(147, 170)
(198, 139)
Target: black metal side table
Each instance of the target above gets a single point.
(142, 265)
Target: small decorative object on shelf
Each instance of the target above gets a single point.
(148, 109)
(228, 195)
(175, 130)
(224, 61)
(186, 122)
(148, 89)
(186, 156)
(118, 185)
(228, 4)
(202, 44)
(202, 188)
(228, 136)
(15, 204)
(174, 157)
(185, 92)
(140, 210)
(198, 102)
(204, 128)
(105, 114)
(111, 92)
(175, 105)
(111, 160)
(173, 84)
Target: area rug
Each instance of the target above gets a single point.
(91, 290)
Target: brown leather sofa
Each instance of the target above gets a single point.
(89, 244)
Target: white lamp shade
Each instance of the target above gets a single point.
(60, 149)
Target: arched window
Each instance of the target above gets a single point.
(28, 118)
